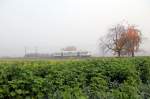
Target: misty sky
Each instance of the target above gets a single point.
(53, 24)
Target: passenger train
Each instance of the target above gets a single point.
(72, 54)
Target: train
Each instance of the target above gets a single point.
(72, 54)
(63, 54)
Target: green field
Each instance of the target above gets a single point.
(93, 78)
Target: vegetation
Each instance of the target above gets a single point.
(102, 78)
(122, 40)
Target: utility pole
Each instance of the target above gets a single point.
(36, 51)
(25, 51)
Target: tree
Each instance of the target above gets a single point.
(113, 40)
(132, 40)
(102, 46)
(122, 40)
(70, 48)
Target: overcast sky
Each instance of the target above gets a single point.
(53, 24)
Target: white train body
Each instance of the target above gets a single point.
(72, 54)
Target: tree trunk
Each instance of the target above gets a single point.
(119, 54)
(132, 53)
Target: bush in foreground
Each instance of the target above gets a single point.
(104, 78)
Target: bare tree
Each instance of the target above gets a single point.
(113, 39)
(102, 46)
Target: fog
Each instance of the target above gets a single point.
(51, 25)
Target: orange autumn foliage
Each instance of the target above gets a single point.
(131, 40)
